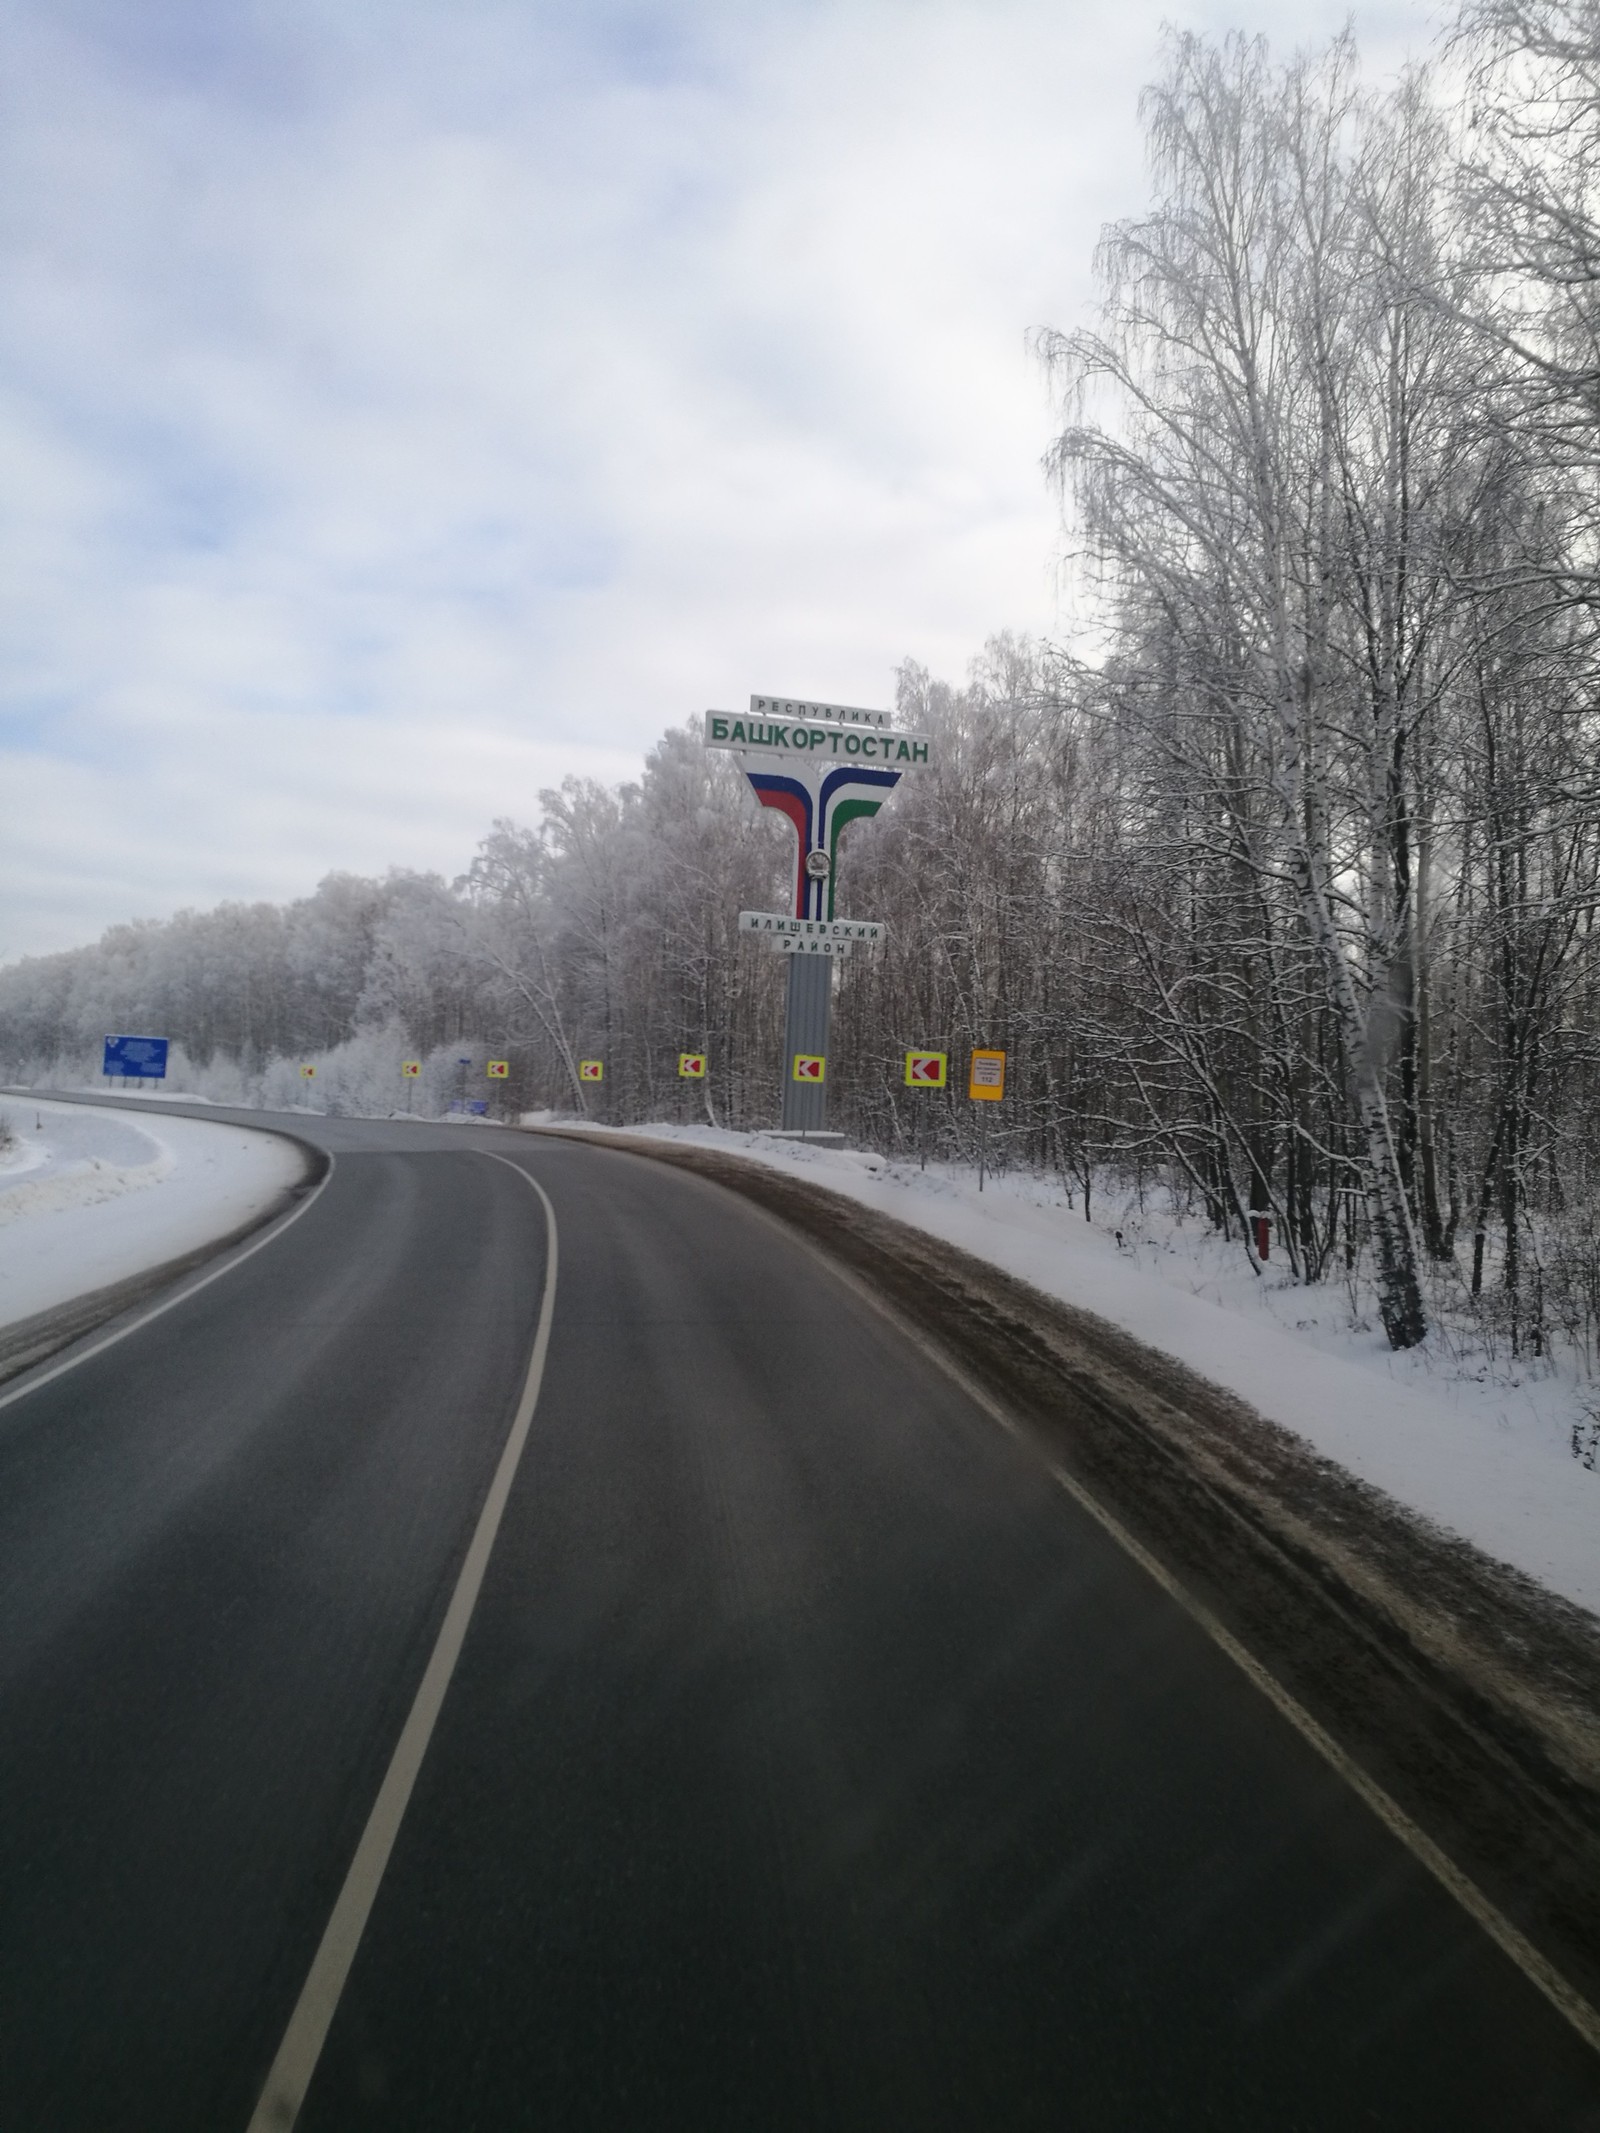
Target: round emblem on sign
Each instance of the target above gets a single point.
(817, 865)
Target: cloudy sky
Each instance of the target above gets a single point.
(407, 403)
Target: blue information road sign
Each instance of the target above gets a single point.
(140, 1058)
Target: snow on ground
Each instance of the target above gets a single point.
(133, 1092)
(89, 1197)
(1487, 1456)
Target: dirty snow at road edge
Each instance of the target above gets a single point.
(89, 1197)
(1488, 1459)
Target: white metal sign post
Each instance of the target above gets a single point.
(821, 766)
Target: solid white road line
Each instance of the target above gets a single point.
(292, 2069)
(29, 1384)
(1538, 1970)
(1565, 1998)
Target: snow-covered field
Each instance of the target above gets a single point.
(1485, 1455)
(89, 1197)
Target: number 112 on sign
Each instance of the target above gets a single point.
(986, 1077)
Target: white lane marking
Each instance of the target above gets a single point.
(1564, 1997)
(274, 1231)
(292, 2069)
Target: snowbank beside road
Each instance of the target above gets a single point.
(91, 1197)
(1489, 1459)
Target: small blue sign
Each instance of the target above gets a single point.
(475, 1107)
(137, 1058)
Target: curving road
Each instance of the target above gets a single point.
(810, 1760)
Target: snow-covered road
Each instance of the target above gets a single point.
(89, 1197)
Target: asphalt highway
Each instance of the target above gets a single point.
(810, 1761)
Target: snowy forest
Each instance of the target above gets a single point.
(1277, 882)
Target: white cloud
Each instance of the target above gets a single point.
(403, 406)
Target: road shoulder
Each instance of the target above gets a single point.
(28, 1342)
(1465, 1690)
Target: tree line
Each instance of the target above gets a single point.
(1278, 883)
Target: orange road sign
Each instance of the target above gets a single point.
(411, 1068)
(692, 1066)
(591, 1069)
(926, 1070)
(499, 1070)
(986, 1077)
(808, 1067)
(308, 1073)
